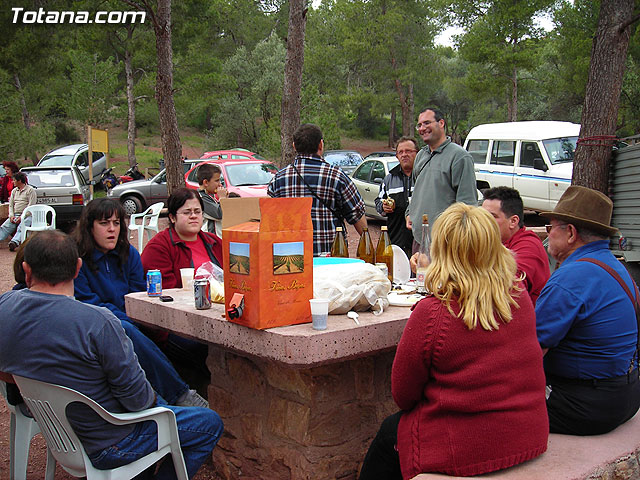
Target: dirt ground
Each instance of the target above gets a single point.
(37, 452)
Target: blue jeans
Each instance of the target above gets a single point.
(199, 430)
(159, 371)
(7, 229)
(17, 238)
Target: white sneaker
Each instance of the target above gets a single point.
(192, 399)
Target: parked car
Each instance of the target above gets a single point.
(368, 176)
(233, 154)
(246, 178)
(383, 153)
(76, 156)
(347, 160)
(137, 195)
(535, 158)
(64, 188)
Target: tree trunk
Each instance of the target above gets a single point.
(290, 109)
(600, 110)
(131, 105)
(513, 100)
(171, 147)
(26, 119)
(392, 129)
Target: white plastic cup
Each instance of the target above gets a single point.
(186, 274)
(319, 313)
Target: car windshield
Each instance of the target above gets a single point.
(343, 158)
(50, 178)
(560, 150)
(250, 173)
(392, 164)
(56, 161)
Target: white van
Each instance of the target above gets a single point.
(535, 158)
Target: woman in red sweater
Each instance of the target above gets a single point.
(6, 182)
(467, 374)
(182, 244)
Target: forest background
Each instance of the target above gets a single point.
(370, 66)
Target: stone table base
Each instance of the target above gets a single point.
(287, 423)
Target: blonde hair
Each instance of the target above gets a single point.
(469, 262)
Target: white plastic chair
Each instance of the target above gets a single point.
(21, 430)
(48, 404)
(39, 219)
(148, 222)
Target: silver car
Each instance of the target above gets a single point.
(63, 188)
(137, 195)
(75, 156)
(368, 177)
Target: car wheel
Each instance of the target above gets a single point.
(131, 205)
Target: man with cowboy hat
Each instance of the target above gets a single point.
(586, 321)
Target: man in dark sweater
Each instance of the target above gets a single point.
(84, 347)
(395, 193)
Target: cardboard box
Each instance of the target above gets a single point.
(267, 246)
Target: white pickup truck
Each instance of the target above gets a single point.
(535, 158)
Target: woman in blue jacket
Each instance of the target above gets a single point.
(111, 268)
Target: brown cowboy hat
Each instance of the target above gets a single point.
(584, 207)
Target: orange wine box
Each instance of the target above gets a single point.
(267, 246)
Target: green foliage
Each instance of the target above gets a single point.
(93, 85)
(251, 106)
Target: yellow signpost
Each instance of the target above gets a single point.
(98, 141)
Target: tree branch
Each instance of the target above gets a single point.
(629, 22)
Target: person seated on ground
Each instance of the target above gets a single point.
(209, 182)
(182, 244)
(85, 348)
(467, 374)
(111, 268)
(6, 182)
(587, 323)
(506, 207)
(22, 196)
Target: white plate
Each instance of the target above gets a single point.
(398, 300)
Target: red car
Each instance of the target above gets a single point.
(246, 177)
(233, 154)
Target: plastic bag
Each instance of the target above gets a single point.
(216, 280)
(351, 286)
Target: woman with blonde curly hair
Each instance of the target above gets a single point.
(467, 374)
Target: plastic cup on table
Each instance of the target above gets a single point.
(319, 313)
(186, 274)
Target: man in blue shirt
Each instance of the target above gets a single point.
(586, 322)
(84, 347)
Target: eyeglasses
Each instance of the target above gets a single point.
(419, 125)
(560, 225)
(408, 152)
(187, 213)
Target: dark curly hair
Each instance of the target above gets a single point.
(100, 209)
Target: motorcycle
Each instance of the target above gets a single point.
(108, 179)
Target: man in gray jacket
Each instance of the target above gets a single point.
(443, 174)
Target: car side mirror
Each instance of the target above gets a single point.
(377, 180)
(538, 164)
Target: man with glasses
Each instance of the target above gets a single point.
(586, 321)
(395, 193)
(443, 174)
(505, 205)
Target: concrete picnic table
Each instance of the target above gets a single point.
(297, 403)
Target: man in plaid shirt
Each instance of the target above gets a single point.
(335, 197)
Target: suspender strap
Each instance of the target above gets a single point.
(634, 301)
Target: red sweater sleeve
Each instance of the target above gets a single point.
(157, 255)
(410, 372)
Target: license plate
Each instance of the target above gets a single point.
(47, 200)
